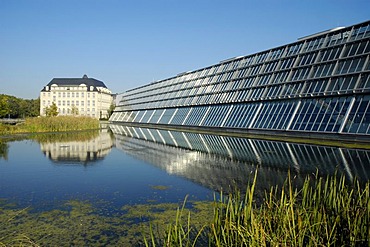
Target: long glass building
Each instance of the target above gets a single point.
(318, 86)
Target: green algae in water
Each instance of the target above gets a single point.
(79, 223)
(160, 187)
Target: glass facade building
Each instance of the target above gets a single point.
(319, 84)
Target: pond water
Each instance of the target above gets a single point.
(108, 173)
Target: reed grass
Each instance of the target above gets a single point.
(51, 124)
(324, 212)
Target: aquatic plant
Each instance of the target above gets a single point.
(51, 124)
(322, 213)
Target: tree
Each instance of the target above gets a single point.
(4, 106)
(74, 110)
(14, 107)
(111, 109)
(51, 111)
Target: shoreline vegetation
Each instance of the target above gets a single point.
(50, 124)
(324, 212)
(328, 211)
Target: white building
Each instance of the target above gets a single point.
(77, 96)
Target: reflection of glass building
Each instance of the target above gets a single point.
(218, 161)
(79, 151)
(317, 85)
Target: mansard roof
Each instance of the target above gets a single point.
(76, 82)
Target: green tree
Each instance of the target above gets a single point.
(14, 107)
(4, 106)
(51, 111)
(74, 110)
(111, 109)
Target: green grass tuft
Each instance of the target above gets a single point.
(325, 212)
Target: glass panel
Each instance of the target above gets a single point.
(307, 59)
(361, 32)
(351, 65)
(241, 115)
(364, 82)
(180, 115)
(274, 115)
(167, 116)
(216, 115)
(359, 117)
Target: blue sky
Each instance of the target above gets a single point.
(131, 43)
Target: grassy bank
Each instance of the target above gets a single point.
(50, 124)
(322, 213)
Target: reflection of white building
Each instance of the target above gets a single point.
(79, 151)
(77, 96)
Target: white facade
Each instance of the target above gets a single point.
(85, 100)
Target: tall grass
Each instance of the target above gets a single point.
(51, 124)
(324, 212)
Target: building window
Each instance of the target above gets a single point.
(82, 103)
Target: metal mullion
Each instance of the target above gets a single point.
(241, 122)
(273, 108)
(227, 115)
(330, 115)
(340, 104)
(362, 119)
(238, 119)
(255, 116)
(306, 104)
(284, 108)
(318, 114)
(340, 114)
(262, 118)
(142, 116)
(205, 115)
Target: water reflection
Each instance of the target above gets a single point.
(220, 162)
(82, 148)
(3, 150)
